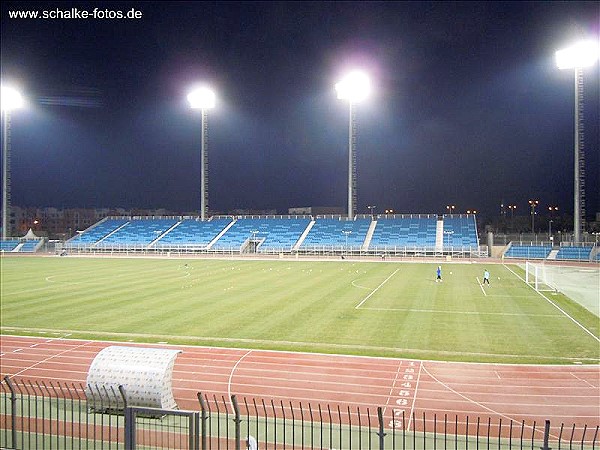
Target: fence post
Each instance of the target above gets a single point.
(546, 436)
(204, 417)
(129, 417)
(237, 420)
(13, 411)
(381, 433)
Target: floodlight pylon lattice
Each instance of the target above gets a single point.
(5, 174)
(579, 161)
(583, 54)
(352, 197)
(203, 99)
(354, 88)
(11, 99)
(204, 167)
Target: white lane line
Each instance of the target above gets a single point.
(393, 387)
(481, 405)
(412, 408)
(231, 377)
(52, 357)
(376, 289)
(585, 381)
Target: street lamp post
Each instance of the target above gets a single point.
(203, 99)
(11, 99)
(448, 233)
(347, 233)
(533, 204)
(355, 87)
(512, 216)
(450, 209)
(371, 209)
(583, 54)
(253, 241)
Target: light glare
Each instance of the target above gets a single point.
(355, 87)
(202, 98)
(582, 54)
(11, 99)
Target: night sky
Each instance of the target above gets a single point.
(468, 106)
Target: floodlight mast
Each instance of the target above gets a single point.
(583, 54)
(203, 99)
(355, 87)
(11, 99)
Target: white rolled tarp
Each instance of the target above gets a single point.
(146, 375)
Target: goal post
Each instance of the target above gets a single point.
(540, 277)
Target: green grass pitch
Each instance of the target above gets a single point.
(345, 307)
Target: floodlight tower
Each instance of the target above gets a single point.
(11, 99)
(203, 99)
(583, 54)
(355, 87)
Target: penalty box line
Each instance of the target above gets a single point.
(376, 289)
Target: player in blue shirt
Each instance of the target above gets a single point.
(438, 274)
(486, 277)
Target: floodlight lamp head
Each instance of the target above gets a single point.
(201, 98)
(355, 87)
(11, 99)
(582, 54)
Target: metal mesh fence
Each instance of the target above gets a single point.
(51, 415)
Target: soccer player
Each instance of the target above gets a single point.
(486, 277)
(438, 273)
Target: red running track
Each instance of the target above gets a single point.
(562, 394)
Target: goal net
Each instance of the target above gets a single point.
(540, 277)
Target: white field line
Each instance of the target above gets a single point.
(556, 306)
(359, 286)
(296, 344)
(231, 377)
(412, 408)
(376, 289)
(481, 286)
(474, 313)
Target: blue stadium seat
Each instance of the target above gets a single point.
(528, 251)
(8, 245)
(30, 246)
(460, 232)
(275, 234)
(410, 232)
(137, 233)
(95, 233)
(192, 233)
(574, 253)
(337, 234)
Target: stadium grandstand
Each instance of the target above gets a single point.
(394, 235)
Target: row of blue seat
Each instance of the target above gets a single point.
(528, 251)
(12, 244)
(574, 253)
(543, 251)
(405, 232)
(278, 233)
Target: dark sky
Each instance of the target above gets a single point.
(468, 106)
